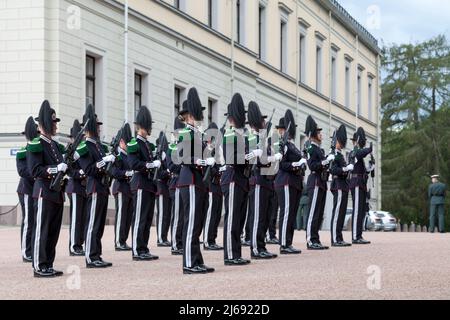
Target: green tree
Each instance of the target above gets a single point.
(415, 125)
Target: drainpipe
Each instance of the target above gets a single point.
(125, 79)
(233, 32)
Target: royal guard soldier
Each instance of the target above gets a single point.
(215, 199)
(76, 192)
(25, 191)
(261, 182)
(317, 184)
(289, 184)
(339, 169)
(271, 235)
(358, 184)
(192, 188)
(143, 186)
(45, 160)
(122, 174)
(235, 181)
(163, 194)
(174, 168)
(94, 162)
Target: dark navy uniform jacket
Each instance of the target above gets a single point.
(140, 152)
(214, 185)
(43, 156)
(91, 152)
(174, 169)
(121, 182)
(77, 181)
(235, 162)
(163, 178)
(359, 174)
(316, 156)
(288, 175)
(190, 173)
(339, 176)
(26, 181)
(265, 181)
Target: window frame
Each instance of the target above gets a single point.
(90, 78)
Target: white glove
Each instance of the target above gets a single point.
(303, 161)
(109, 158)
(250, 156)
(278, 157)
(223, 168)
(201, 163)
(348, 168)
(153, 165)
(210, 161)
(331, 157)
(62, 167)
(299, 164)
(258, 153)
(76, 156)
(52, 170)
(163, 156)
(81, 172)
(370, 168)
(101, 164)
(325, 162)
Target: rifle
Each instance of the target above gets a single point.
(306, 147)
(263, 137)
(115, 142)
(372, 173)
(208, 169)
(285, 138)
(68, 159)
(162, 142)
(326, 172)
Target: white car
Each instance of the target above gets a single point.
(373, 222)
(388, 220)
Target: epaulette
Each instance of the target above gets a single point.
(21, 154)
(229, 136)
(82, 149)
(35, 145)
(105, 148)
(62, 148)
(173, 148)
(132, 146)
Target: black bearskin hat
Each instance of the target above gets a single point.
(178, 124)
(341, 135)
(163, 140)
(31, 130)
(289, 118)
(236, 110)
(311, 128)
(47, 116)
(254, 116)
(126, 133)
(194, 105)
(281, 124)
(184, 109)
(360, 137)
(93, 121)
(76, 127)
(144, 119)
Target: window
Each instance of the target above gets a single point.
(180, 4)
(90, 80)
(212, 110)
(262, 31)
(333, 74)
(359, 93)
(319, 68)
(347, 82)
(302, 57)
(176, 4)
(370, 97)
(210, 11)
(177, 100)
(283, 47)
(137, 92)
(213, 14)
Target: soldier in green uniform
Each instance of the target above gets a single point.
(436, 194)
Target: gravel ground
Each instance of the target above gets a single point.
(394, 266)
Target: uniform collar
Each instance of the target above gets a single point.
(315, 144)
(91, 140)
(339, 151)
(46, 139)
(120, 150)
(141, 138)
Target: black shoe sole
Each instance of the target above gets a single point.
(281, 252)
(26, 260)
(42, 276)
(97, 267)
(76, 254)
(194, 272)
(177, 254)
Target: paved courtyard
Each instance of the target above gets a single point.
(395, 266)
